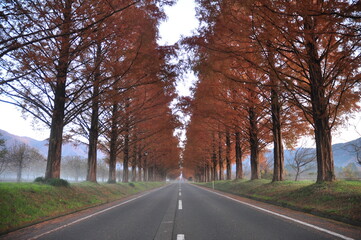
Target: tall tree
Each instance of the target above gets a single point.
(20, 157)
(317, 45)
(45, 60)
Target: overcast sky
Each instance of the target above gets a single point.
(181, 22)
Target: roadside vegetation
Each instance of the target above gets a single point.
(339, 200)
(22, 204)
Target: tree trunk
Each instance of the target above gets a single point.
(126, 157)
(139, 164)
(57, 120)
(320, 115)
(134, 172)
(126, 144)
(254, 145)
(278, 154)
(220, 158)
(325, 163)
(145, 169)
(228, 155)
(214, 159)
(19, 170)
(94, 126)
(113, 144)
(56, 133)
(297, 175)
(239, 169)
(154, 178)
(139, 173)
(208, 175)
(134, 162)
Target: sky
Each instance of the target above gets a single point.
(181, 22)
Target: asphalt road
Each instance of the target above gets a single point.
(179, 211)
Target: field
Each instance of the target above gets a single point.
(23, 204)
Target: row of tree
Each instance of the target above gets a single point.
(93, 70)
(19, 157)
(270, 72)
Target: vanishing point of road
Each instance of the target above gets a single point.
(183, 211)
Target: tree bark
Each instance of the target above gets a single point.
(139, 164)
(126, 158)
(254, 145)
(320, 115)
(113, 144)
(134, 163)
(238, 150)
(208, 175)
(57, 120)
(19, 171)
(94, 126)
(126, 144)
(214, 159)
(220, 158)
(145, 169)
(278, 153)
(228, 155)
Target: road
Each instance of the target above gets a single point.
(183, 211)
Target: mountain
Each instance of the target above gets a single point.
(68, 149)
(343, 153)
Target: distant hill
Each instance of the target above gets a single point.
(69, 149)
(343, 153)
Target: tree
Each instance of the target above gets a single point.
(47, 59)
(302, 161)
(44, 71)
(350, 171)
(74, 167)
(102, 170)
(355, 148)
(317, 50)
(305, 53)
(3, 159)
(21, 156)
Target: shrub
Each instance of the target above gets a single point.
(131, 184)
(39, 180)
(56, 182)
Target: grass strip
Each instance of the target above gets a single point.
(23, 204)
(339, 200)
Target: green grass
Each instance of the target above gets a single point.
(339, 200)
(22, 204)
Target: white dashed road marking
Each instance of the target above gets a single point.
(180, 237)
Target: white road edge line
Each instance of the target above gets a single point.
(92, 215)
(180, 194)
(283, 216)
(180, 207)
(180, 237)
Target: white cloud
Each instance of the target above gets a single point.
(181, 22)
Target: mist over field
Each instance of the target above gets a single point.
(74, 162)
